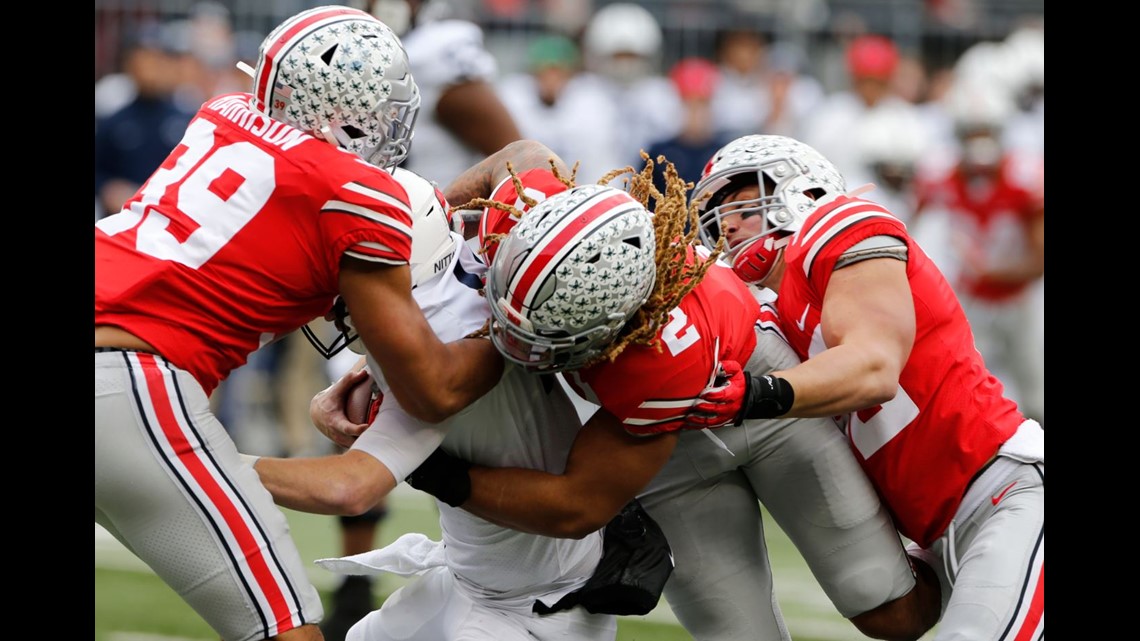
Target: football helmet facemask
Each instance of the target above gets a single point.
(794, 179)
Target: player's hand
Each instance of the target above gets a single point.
(329, 409)
(721, 402)
(443, 476)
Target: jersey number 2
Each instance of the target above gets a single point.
(678, 335)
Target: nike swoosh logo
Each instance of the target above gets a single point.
(997, 499)
(803, 319)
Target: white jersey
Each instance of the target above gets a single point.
(525, 421)
(829, 129)
(443, 54)
(647, 111)
(560, 126)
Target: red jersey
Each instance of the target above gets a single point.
(992, 217)
(650, 390)
(237, 238)
(922, 448)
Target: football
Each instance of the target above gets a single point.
(359, 401)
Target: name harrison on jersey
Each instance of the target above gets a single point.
(279, 134)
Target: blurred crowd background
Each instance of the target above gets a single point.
(900, 93)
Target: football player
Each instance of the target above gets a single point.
(487, 583)
(561, 304)
(994, 200)
(464, 120)
(270, 205)
(886, 346)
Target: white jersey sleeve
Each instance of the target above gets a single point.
(399, 440)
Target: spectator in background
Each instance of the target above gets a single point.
(206, 54)
(575, 119)
(462, 120)
(696, 82)
(829, 57)
(761, 90)
(132, 141)
(622, 49)
(994, 199)
(830, 129)
(891, 149)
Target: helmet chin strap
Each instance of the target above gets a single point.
(776, 266)
(859, 191)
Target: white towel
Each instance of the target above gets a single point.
(1027, 444)
(409, 555)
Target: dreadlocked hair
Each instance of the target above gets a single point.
(675, 225)
(516, 213)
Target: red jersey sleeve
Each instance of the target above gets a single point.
(833, 229)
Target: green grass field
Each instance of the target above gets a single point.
(131, 604)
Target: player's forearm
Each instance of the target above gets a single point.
(465, 371)
(840, 380)
(475, 114)
(337, 485)
(606, 468)
(536, 502)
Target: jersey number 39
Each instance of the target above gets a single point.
(214, 200)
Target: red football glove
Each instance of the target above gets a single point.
(719, 404)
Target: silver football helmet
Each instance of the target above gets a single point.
(569, 276)
(432, 245)
(798, 178)
(342, 75)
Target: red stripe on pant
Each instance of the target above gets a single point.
(1036, 610)
(190, 459)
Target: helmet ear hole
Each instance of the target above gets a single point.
(352, 132)
(327, 56)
